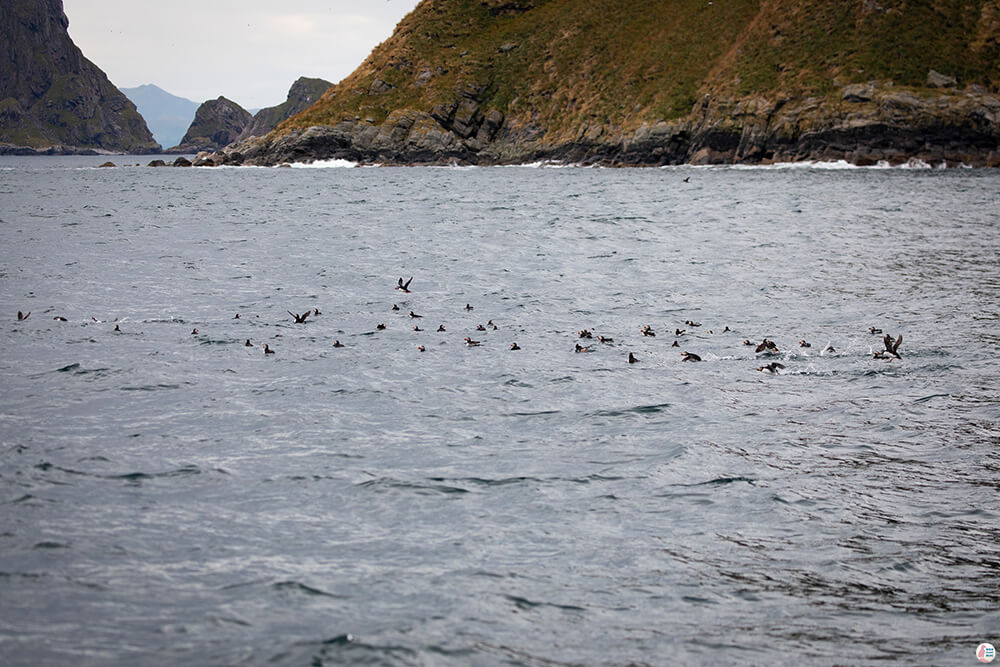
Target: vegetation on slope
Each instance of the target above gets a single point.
(564, 66)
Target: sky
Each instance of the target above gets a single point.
(250, 51)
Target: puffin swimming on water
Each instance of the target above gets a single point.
(771, 367)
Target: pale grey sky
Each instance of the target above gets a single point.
(251, 51)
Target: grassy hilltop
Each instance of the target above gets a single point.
(593, 73)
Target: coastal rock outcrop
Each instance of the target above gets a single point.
(54, 100)
(628, 83)
(217, 123)
(303, 94)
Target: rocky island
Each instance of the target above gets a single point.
(216, 123)
(623, 82)
(52, 99)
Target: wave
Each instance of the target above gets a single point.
(325, 164)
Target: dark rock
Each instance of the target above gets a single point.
(204, 159)
(182, 162)
(52, 99)
(303, 93)
(499, 7)
(217, 123)
(108, 164)
(157, 163)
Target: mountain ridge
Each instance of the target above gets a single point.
(507, 81)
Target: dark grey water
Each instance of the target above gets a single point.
(170, 498)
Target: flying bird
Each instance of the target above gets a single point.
(404, 287)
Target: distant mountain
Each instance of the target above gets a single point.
(303, 93)
(168, 116)
(52, 99)
(632, 82)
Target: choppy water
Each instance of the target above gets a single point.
(169, 497)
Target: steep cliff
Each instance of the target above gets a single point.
(216, 123)
(302, 95)
(52, 99)
(629, 82)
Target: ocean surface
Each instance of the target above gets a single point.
(172, 496)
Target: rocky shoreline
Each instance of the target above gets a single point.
(863, 124)
(28, 151)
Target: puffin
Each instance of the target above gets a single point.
(770, 368)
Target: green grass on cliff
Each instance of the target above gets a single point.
(568, 64)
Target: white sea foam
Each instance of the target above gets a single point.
(812, 164)
(325, 164)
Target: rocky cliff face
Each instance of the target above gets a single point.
(302, 95)
(52, 99)
(623, 82)
(216, 123)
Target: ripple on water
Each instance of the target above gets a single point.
(840, 510)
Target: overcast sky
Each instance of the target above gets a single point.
(250, 51)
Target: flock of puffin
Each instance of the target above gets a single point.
(763, 349)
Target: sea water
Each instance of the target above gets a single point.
(172, 495)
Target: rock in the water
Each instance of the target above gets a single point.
(182, 162)
(108, 164)
(54, 100)
(157, 163)
(217, 123)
